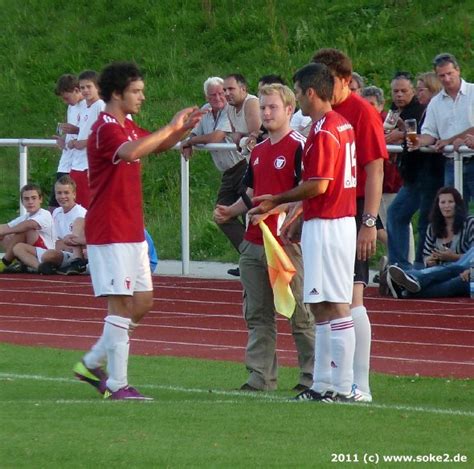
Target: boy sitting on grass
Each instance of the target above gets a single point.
(34, 228)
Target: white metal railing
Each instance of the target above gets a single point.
(24, 143)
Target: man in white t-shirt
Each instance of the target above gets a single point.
(215, 128)
(448, 116)
(90, 111)
(68, 219)
(35, 228)
(67, 88)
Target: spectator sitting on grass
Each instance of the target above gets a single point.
(35, 228)
(68, 219)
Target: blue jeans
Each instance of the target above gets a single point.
(410, 198)
(468, 177)
(443, 280)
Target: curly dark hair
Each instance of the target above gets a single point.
(438, 222)
(116, 77)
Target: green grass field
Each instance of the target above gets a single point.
(197, 419)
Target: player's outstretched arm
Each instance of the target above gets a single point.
(164, 138)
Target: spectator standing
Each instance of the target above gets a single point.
(420, 181)
(67, 88)
(448, 116)
(356, 84)
(391, 177)
(244, 117)
(214, 127)
(275, 166)
(89, 113)
(243, 111)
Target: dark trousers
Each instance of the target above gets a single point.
(229, 192)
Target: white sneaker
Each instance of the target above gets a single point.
(360, 396)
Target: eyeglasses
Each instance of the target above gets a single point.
(443, 58)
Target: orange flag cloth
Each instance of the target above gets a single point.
(280, 271)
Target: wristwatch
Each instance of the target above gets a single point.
(369, 220)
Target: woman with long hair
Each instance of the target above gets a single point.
(448, 252)
(451, 232)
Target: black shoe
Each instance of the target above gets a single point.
(384, 289)
(235, 272)
(309, 395)
(300, 387)
(401, 278)
(395, 289)
(76, 267)
(47, 268)
(247, 387)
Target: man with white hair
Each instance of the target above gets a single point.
(215, 127)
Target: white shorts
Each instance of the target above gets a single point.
(329, 249)
(120, 268)
(67, 257)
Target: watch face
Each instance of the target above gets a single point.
(370, 222)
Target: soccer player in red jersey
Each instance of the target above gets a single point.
(328, 192)
(114, 229)
(371, 153)
(274, 167)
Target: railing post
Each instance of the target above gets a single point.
(23, 149)
(458, 171)
(184, 215)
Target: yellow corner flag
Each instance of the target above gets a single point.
(280, 271)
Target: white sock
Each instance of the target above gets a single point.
(117, 345)
(97, 355)
(322, 357)
(342, 348)
(363, 335)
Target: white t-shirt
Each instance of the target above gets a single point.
(44, 220)
(223, 159)
(89, 115)
(301, 123)
(63, 221)
(446, 117)
(73, 117)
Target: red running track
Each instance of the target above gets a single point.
(202, 318)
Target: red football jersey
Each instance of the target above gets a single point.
(115, 213)
(273, 169)
(369, 135)
(330, 154)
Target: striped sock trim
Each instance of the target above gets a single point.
(342, 325)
